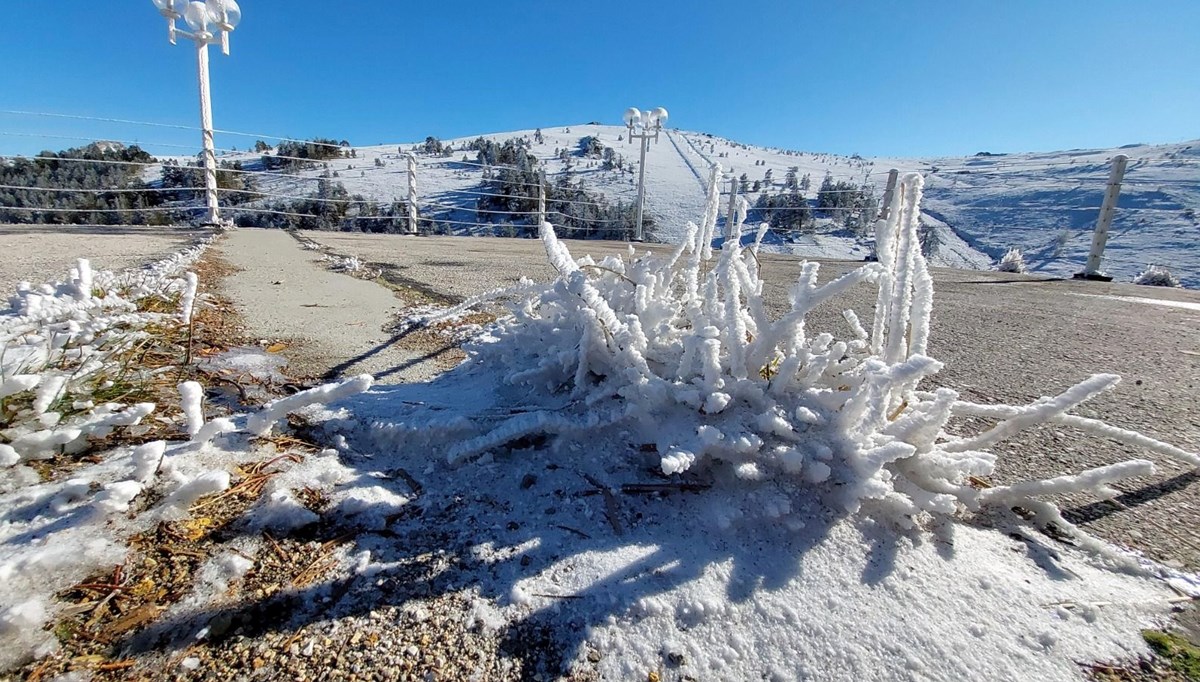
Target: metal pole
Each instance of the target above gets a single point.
(637, 234)
(206, 126)
(1107, 210)
(732, 205)
(412, 193)
(888, 193)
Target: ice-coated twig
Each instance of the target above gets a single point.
(1039, 412)
(187, 301)
(191, 397)
(261, 422)
(1096, 481)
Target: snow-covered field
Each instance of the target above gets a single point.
(639, 473)
(1046, 204)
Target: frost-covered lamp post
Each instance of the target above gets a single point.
(211, 22)
(645, 126)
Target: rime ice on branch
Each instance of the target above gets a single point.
(677, 351)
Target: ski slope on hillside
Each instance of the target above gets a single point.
(977, 207)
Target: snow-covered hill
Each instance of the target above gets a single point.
(976, 208)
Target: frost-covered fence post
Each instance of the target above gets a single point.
(541, 201)
(893, 174)
(729, 218)
(412, 193)
(1092, 269)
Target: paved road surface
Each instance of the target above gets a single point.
(331, 323)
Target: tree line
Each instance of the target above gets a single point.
(102, 170)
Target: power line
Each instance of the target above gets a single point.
(155, 209)
(81, 190)
(77, 138)
(78, 117)
(161, 125)
(19, 157)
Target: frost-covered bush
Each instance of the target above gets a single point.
(1156, 276)
(58, 343)
(350, 264)
(1013, 261)
(676, 355)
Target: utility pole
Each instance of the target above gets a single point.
(644, 126)
(211, 22)
(206, 126)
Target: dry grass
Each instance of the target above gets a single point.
(107, 608)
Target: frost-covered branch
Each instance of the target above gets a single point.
(676, 355)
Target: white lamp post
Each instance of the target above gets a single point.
(645, 126)
(211, 22)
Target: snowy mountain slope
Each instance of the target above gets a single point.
(976, 207)
(1047, 205)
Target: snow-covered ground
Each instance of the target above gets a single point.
(1046, 204)
(639, 471)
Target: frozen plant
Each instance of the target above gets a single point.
(676, 355)
(1157, 276)
(1013, 261)
(58, 342)
(348, 264)
(187, 301)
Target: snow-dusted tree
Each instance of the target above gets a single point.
(1157, 276)
(1013, 261)
(930, 238)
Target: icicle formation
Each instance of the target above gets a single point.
(680, 352)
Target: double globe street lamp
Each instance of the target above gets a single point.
(211, 22)
(645, 126)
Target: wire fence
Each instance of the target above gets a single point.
(465, 192)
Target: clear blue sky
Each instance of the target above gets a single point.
(874, 78)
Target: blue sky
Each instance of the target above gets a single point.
(876, 78)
